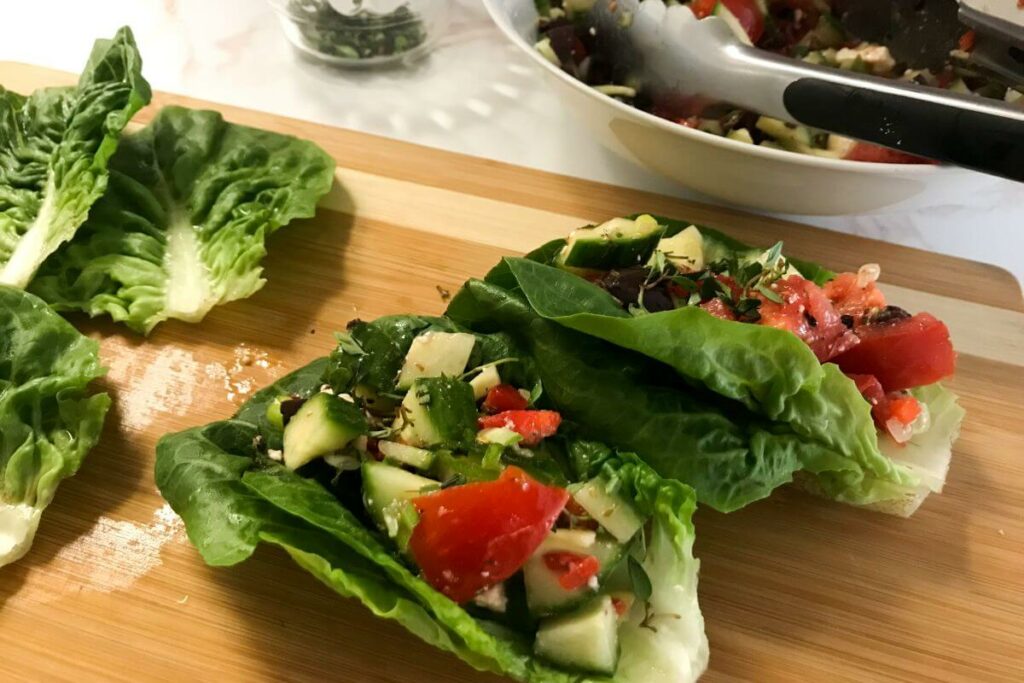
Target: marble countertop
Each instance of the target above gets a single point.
(475, 94)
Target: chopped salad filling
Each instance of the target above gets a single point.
(455, 471)
(885, 350)
(922, 43)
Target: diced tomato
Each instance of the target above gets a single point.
(869, 387)
(717, 308)
(703, 8)
(574, 570)
(532, 425)
(865, 151)
(850, 298)
(807, 312)
(966, 41)
(679, 108)
(747, 13)
(902, 354)
(504, 397)
(474, 536)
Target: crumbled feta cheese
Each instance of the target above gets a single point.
(494, 598)
(877, 57)
(326, 389)
(275, 454)
(592, 583)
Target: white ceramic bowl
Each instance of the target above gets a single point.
(740, 173)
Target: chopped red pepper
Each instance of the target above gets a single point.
(504, 397)
(533, 425)
(885, 407)
(574, 570)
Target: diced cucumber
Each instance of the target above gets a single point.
(324, 424)
(610, 510)
(502, 436)
(470, 467)
(587, 639)
(740, 135)
(828, 32)
(438, 411)
(723, 13)
(544, 594)
(273, 412)
(387, 491)
(788, 135)
(618, 243)
(373, 401)
(433, 354)
(401, 453)
(685, 250)
(485, 381)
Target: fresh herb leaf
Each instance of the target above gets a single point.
(769, 293)
(457, 479)
(639, 580)
(536, 392)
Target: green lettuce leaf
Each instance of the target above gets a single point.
(54, 149)
(232, 498)
(183, 225)
(48, 421)
(665, 640)
(769, 371)
(730, 456)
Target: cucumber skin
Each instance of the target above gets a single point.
(611, 252)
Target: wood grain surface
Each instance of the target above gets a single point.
(792, 588)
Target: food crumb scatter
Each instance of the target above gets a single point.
(237, 384)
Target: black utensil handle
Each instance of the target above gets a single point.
(978, 140)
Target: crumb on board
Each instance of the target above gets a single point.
(183, 600)
(445, 294)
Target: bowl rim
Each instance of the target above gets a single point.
(499, 16)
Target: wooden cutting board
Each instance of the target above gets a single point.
(792, 588)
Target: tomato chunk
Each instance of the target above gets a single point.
(850, 297)
(902, 354)
(474, 536)
(865, 151)
(807, 312)
(574, 570)
(504, 397)
(717, 308)
(532, 425)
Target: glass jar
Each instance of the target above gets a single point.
(362, 33)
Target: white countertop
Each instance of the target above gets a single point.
(474, 95)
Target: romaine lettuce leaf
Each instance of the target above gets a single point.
(231, 498)
(769, 371)
(664, 640)
(54, 149)
(184, 222)
(730, 456)
(48, 421)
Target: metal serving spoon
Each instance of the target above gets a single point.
(668, 51)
